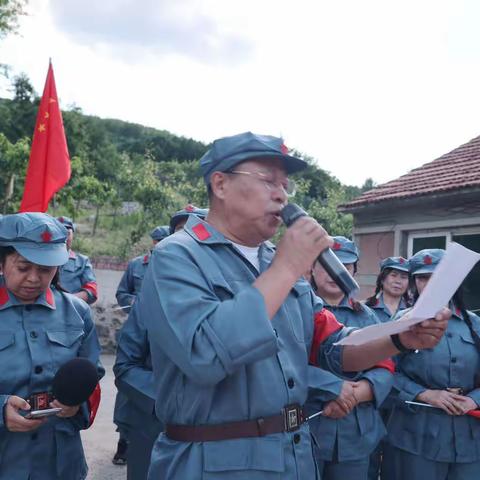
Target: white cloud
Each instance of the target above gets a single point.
(371, 89)
(134, 30)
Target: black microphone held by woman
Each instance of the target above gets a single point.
(75, 381)
(338, 273)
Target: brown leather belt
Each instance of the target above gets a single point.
(289, 420)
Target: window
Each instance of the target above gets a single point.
(471, 286)
(419, 241)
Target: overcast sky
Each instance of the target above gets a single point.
(369, 88)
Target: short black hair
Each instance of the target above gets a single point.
(5, 252)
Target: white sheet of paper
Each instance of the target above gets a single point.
(447, 277)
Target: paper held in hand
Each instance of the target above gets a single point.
(447, 277)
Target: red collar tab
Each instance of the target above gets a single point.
(284, 149)
(71, 254)
(350, 302)
(458, 312)
(49, 297)
(3, 296)
(427, 260)
(46, 236)
(145, 258)
(201, 232)
(401, 261)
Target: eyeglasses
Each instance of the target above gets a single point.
(288, 186)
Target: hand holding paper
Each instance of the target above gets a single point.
(447, 277)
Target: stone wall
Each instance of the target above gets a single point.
(108, 318)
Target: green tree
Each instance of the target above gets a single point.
(320, 193)
(10, 11)
(23, 108)
(369, 184)
(13, 164)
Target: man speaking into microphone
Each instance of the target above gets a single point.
(231, 326)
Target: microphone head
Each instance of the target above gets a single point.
(75, 381)
(292, 212)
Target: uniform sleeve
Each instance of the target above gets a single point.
(404, 388)
(132, 375)
(125, 288)
(324, 353)
(381, 378)
(213, 330)
(3, 402)
(323, 386)
(475, 396)
(89, 282)
(381, 381)
(89, 349)
(475, 393)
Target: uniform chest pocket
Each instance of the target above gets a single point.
(64, 338)
(467, 338)
(137, 282)
(64, 344)
(69, 267)
(6, 340)
(298, 307)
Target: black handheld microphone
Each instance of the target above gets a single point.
(328, 260)
(75, 381)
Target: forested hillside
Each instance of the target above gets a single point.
(115, 162)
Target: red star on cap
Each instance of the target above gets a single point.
(427, 260)
(283, 148)
(189, 208)
(46, 236)
(336, 246)
(401, 261)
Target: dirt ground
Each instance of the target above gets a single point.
(100, 440)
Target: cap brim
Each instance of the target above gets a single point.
(291, 164)
(346, 257)
(48, 255)
(399, 268)
(158, 239)
(425, 269)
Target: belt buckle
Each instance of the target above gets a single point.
(293, 417)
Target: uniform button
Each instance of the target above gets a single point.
(33, 334)
(449, 334)
(28, 308)
(296, 438)
(34, 436)
(454, 359)
(38, 369)
(290, 383)
(275, 332)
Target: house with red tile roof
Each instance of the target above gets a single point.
(428, 207)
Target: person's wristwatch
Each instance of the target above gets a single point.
(399, 345)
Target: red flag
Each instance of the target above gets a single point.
(49, 164)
